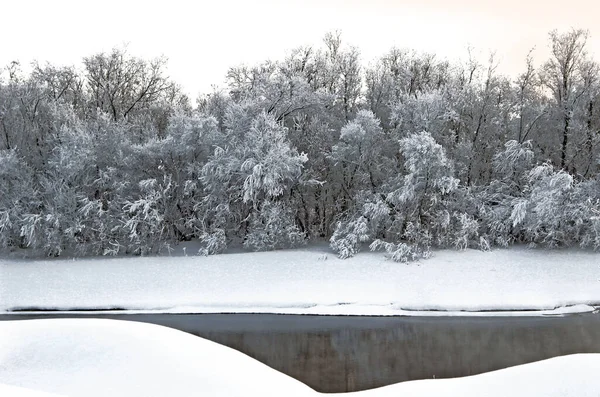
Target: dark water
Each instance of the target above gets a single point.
(347, 353)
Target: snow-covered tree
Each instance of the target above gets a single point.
(252, 165)
(412, 209)
(542, 214)
(17, 198)
(363, 157)
(410, 153)
(564, 74)
(420, 193)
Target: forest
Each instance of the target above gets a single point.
(405, 155)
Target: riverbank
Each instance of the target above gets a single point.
(509, 282)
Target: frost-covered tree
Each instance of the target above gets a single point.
(499, 205)
(17, 198)
(401, 75)
(363, 157)
(529, 106)
(542, 214)
(420, 193)
(410, 153)
(252, 166)
(564, 75)
(273, 227)
(411, 215)
(120, 84)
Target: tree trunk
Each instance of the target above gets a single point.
(565, 141)
(590, 138)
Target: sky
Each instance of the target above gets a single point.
(202, 39)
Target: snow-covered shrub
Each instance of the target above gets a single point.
(502, 205)
(55, 228)
(401, 252)
(583, 214)
(363, 151)
(162, 205)
(466, 231)
(17, 197)
(101, 230)
(55, 223)
(512, 164)
(410, 215)
(370, 217)
(253, 165)
(348, 237)
(546, 221)
(420, 195)
(269, 165)
(430, 173)
(145, 219)
(214, 242)
(272, 227)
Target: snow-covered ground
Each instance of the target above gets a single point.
(13, 391)
(119, 358)
(567, 376)
(110, 358)
(312, 281)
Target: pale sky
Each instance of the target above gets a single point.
(202, 39)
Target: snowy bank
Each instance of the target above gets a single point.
(120, 358)
(567, 376)
(311, 281)
(13, 391)
(110, 358)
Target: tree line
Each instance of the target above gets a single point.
(410, 153)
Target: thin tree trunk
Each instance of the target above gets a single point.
(565, 141)
(590, 138)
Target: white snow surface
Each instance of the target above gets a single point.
(92, 357)
(122, 358)
(13, 391)
(312, 281)
(567, 376)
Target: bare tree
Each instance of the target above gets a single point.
(563, 75)
(120, 84)
(527, 96)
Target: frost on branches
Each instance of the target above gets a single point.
(247, 183)
(408, 154)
